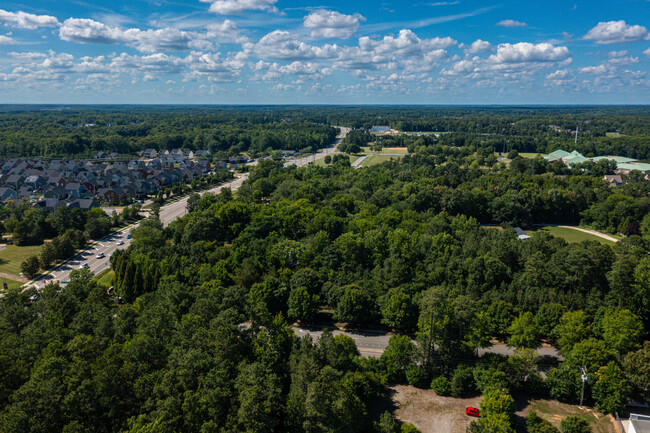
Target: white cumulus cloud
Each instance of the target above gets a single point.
(479, 46)
(560, 74)
(6, 40)
(647, 52)
(527, 52)
(332, 24)
(25, 20)
(283, 45)
(87, 31)
(231, 7)
(226, 31)
(616, 32)
(511, 23)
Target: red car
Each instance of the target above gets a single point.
(472, 411)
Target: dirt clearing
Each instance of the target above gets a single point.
(430, 412)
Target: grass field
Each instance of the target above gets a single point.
(12, 256)
(105, 278)
(376, 159)
(11, 284)
(386, 150)
(321, 161)
(555, 411)
(531, 155)
(571, 235)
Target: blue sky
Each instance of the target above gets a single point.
(333, 52)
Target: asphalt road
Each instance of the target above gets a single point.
(373, 344)
(168, 213)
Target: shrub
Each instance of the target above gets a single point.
(441, 385)
(416, 376)
(537, 424)
(575, 424)
(462, 382)
(410, 428)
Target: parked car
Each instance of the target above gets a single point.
(128, 236)
(472, 411)
(120, 242)
(100, 256)
(83, 266)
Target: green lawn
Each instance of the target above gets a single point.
(105, 278)
(11, 284)
(12, 256)
(321, 161)
(386, 150)
(571, 235)
(376, 159)
(531, 155)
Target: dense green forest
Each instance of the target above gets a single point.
(54, 131)
(86, 131)
(202, 342)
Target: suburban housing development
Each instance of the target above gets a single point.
(50, 184)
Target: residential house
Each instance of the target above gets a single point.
(15, 181)
(35, 182)
(613, 179)
(201, 154)
(203, 165)
(75, 189)
(7, 194)
(150, 153)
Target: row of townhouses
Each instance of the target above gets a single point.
(50, 184)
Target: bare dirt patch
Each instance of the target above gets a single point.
(430, 412)
(555, 412)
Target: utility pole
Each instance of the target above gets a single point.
(584, 379)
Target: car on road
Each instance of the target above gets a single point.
(120, 242)
(83, 266)
(100, 256)
(472, 411)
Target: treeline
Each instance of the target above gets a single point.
(202, 343)
(30, 226)
(637, 147)
(71, 221)
(178, 362)
(225, 133)
(370, 246)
